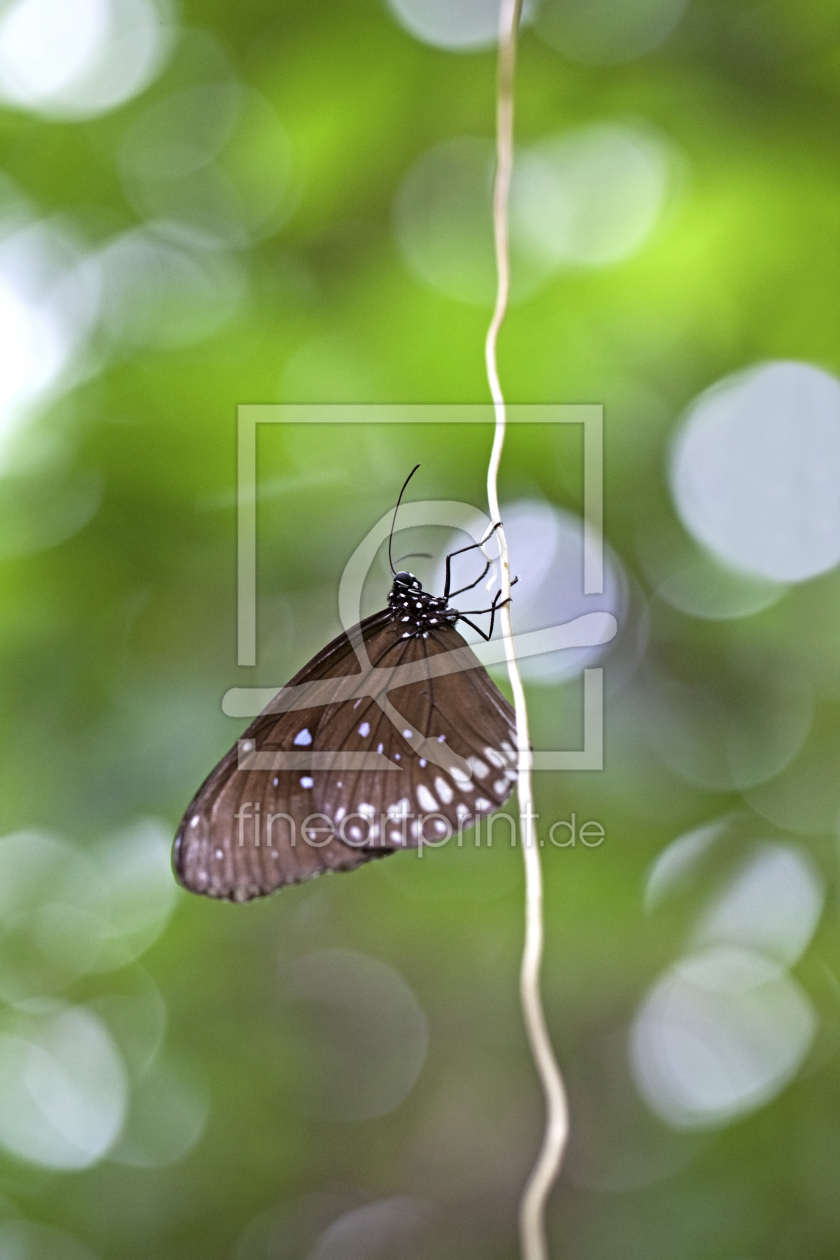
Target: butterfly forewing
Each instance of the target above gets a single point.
(438, 753)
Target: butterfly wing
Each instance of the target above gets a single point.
(242, 834)
(442, 748)
(461, 712)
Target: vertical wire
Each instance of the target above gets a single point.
(532, 1235)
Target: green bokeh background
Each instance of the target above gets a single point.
(118, 643)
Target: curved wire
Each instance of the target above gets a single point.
(532, 1234)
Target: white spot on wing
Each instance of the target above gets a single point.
(194, 821)
(495, 758)
(443, 790)
(367, 811)
(339, 813)
(500, 787)
(479, 767)
(408, 734)
(303, 738)
(427, 801)
(482, 804)
(306, 781)
(364, 729)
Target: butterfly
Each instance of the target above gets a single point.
(393, 736)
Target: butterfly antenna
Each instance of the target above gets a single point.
(396, 509)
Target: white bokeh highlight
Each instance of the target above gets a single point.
(773, 905)
(726, 1027)
(370, 1031)
(165, 1121)
(755, 471)
(163, 286)
(586, 198)
(678, 862)
(443, 223)
(48, 305)
(134, 1011)
(67, 911)
(80, 58)
(720, 738)
(63, 1088)
(690, 579)
(26, 1240)
(602, 32)
(136, 893)
(384, 1228)
(590, 197)
(457, 25)
(706, 590)
(48, 937)
(188, 159)
(718, 1036)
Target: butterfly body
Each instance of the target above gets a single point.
(393, 736)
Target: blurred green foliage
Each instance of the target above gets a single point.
(118, 641)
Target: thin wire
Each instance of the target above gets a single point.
(532, 1233)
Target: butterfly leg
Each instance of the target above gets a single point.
(473, 547)
(447, 595)
(477, 612)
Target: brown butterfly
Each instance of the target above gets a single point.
(394, 735)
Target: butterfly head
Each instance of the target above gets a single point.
(404, 581)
